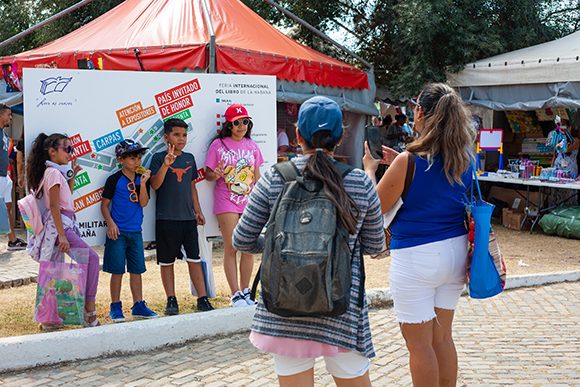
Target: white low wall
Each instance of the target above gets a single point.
(23, 352)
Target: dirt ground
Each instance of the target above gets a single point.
(524, 253)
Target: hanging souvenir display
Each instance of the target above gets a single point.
(10, 74)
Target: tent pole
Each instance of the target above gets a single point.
(319, 33)
(211, 31)
(44, 22)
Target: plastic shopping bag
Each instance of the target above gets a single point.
(60, 295)
(205, 249)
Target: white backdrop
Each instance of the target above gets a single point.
(98, 109)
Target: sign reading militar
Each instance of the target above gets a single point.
(98, 109)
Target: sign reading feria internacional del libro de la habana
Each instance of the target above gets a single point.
(98, 109)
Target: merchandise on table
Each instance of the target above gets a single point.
(524, 168)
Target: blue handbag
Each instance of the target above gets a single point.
(486, 270)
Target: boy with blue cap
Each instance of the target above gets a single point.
(126, 193)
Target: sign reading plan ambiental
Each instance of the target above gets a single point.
(98, 109)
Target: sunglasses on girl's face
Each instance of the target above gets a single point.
(245, 121)
(132, 192)
(67, 148)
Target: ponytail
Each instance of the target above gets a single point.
(38, 156)
(321, 168)
(447, 131)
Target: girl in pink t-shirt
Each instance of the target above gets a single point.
(233, 162)
(51, 177)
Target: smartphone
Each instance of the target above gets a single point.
(374, 140)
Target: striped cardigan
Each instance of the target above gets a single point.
(350, 330)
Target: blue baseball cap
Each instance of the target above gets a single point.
(319, 113)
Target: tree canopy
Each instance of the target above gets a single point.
(409, 42)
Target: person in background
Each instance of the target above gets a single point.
(5, 181)
(429, 237)
(384, 125)
(283, 141)
(395, 137)
(407, 130)
(20, 162)
(387, 121)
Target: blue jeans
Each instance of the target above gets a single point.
(127, 248)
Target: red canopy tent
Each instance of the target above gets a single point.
(172, 35)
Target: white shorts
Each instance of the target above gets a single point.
(426, 277)
(345, 365)
(6, 189)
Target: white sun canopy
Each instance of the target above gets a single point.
(536, 77)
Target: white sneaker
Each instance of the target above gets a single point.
(238, 300)
(247, 293)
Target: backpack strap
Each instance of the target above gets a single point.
(255, 284)
(287, 170)
(410, 174)
(343, 169)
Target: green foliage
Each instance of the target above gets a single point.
(18, 15)
(14, 18)
(409, 42)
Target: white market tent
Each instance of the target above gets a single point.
(537, 77)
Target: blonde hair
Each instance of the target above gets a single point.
(447, 131)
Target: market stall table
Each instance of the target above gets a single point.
(534, 215)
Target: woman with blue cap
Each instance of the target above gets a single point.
(344, 341)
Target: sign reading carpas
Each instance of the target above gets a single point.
(99, 109)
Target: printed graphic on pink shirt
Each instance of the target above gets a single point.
(239, 160)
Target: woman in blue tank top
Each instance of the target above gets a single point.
(429, 238)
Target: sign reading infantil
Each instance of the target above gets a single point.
(99, 109)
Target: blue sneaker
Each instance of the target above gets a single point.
(140, 310)
(116, 312)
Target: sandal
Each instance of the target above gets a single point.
(50, 327)
(93, 323)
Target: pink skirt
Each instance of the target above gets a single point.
(284, 346)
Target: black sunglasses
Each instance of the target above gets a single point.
(245, 121)
(67, 148)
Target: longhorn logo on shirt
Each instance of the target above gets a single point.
(179, 172)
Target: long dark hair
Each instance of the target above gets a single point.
(38, 157)
(226, 130)
(320, 167)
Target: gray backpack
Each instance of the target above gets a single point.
(306, 264)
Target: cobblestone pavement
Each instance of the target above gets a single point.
(525, 337)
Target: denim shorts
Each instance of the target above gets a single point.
(128, 247)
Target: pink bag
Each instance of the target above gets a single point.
(60, 295)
